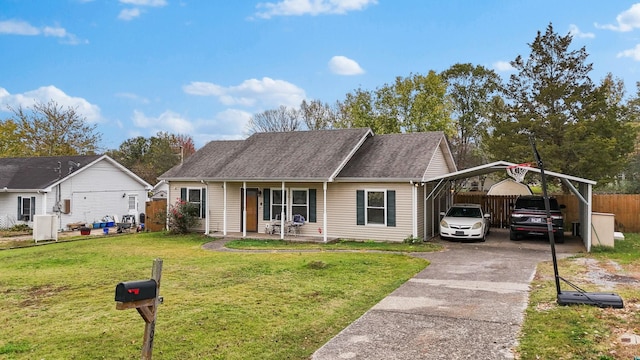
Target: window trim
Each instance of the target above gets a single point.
(367, 207)
(306, 204)
(199, 203)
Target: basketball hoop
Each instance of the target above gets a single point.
(518, 171)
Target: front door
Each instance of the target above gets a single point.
(252, 209)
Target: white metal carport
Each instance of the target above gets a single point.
(442, 183)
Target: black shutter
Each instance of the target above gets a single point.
(266, 202)
(19, 207)
(312, 205)
(203, 211)
(183, 194)
(391, 208)
(360, 207)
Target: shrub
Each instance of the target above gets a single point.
(183, 216)
(412, 240)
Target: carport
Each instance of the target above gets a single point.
(439, 194)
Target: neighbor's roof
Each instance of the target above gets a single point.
(394, 157)
(34, 173)
(296, 155)
(40, 173)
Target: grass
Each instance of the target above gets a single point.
(57, 300)
(340, 245)
(584, 332)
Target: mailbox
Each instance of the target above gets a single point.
(130, 291)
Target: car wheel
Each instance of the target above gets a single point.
(513, 235)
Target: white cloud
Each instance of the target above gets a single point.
(632, 53)
(310, 7)
(168, 121)
(133, 97)
(627, 20)
(19, 27)
(342, 65)
(576, 33)
(45, 94)
(129, 14)
(135, 12)
(503, 66)
(265, 92)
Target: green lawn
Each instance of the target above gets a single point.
(57, 300)
(584, 332)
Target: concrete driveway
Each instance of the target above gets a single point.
(468, 304)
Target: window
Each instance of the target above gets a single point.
(300, 205)
(277, 202)
(375, 207)
(197, 197)
(26, 208)
(132, 202)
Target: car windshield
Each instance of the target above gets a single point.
(464, 212)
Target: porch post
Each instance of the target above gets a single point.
(282, 212)
(244, 209)
(207, 227)
(224, 208)
(324, 211)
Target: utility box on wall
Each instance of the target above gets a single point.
(602, 229)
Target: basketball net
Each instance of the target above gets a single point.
(518, 171)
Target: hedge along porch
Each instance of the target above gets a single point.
(346, 183)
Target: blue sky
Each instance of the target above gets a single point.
(203, 68)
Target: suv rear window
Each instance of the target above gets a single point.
(536, 204)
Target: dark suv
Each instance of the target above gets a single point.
(529, 217)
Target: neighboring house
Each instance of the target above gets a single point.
(160, 191)
(509, 187)
(78, 189)
(346, 183)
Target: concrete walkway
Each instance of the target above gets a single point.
(468, 304)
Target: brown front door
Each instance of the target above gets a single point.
(252, 209)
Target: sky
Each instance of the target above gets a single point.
(202, 68)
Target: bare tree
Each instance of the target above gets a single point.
(317, 115)
(275, 120)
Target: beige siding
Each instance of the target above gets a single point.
(438, 165)
(174, 195)
(341, 218)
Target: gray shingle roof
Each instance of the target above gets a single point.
(298, 155)
(312, 155)
(32, 173)
(394, 156)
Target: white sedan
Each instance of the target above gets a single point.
(465, 222)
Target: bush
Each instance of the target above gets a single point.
(412, 240)
(183, 216)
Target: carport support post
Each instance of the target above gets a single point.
(150, 326)
(547, 207)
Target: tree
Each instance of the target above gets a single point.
(471, 90)
(317, 115)
(51, 130)
(580, 128)
(412, 104)
(275, 120)
(150, 158)
(10, 143)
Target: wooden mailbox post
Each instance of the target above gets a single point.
(144, 296)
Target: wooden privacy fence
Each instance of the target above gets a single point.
(156, 215)
(625, 207)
